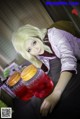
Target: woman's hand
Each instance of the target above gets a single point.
(49, 103)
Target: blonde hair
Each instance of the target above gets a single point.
(24, 33)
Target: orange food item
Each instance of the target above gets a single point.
(28, 72)
(13, 79)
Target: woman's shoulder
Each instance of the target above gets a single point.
(55, 33)
(56, 30)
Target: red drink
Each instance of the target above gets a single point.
(24, 93)
(41, 84)
(45, 86)
(18, 87)
(31, 82)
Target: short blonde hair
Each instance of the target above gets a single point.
(24, 33)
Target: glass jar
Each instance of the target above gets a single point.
(30, 82)
(18, 87)
(37, 81)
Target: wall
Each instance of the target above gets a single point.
(13, 14)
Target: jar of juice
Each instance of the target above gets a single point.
(37, 81)
(18, 87)
(30, 82)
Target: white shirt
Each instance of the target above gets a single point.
(65, 46)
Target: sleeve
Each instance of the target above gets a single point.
(68, 60)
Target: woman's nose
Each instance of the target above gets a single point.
(34, 49)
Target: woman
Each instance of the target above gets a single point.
(40, 46)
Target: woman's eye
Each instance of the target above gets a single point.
(29, 50)
(34, 42)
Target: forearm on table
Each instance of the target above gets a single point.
(62, 82)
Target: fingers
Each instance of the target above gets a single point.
(51, 109)
(52, 106)
(44, 108)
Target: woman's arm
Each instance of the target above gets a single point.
(63, 81)
(68, 63)
(50, 102)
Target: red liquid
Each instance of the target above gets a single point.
(44, 87)
(24, 93)
(41, 87)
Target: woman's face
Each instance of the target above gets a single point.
(34, 46)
